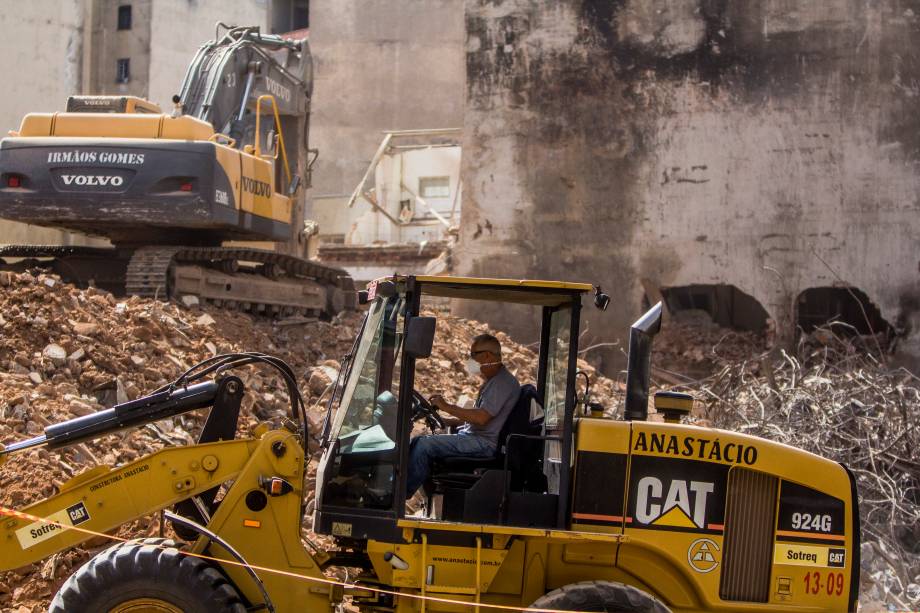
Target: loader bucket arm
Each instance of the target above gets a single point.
(104, 498)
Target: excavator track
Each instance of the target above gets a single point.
(302, 286)
(147, 272)
(53, 251)
(268, 282)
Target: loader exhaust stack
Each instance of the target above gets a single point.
(641, 335)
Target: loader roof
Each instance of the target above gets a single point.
(522, 291)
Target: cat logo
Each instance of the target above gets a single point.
(703, 555)
(683, 505)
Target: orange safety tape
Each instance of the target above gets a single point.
(348, 586)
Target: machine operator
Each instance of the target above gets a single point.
(477, 436)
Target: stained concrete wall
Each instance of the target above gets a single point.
(392, 65)
(768, 144)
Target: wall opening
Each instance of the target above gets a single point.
(726, 305)
(819, 306)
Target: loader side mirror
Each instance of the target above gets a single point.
(601, 300)
(420, 337)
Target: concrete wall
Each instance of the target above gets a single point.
(108, 44)
(392, 65)
(694, 141)
(41, 44)
(179, 27)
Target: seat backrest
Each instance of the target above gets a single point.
(518, 420)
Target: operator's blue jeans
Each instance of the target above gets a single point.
(423, 449)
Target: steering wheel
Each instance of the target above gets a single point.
(422, 409)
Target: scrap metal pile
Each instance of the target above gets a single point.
(840, 400)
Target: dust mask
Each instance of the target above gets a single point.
(475, 368)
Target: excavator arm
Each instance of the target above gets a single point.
(229, 74)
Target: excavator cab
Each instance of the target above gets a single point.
(366, 439)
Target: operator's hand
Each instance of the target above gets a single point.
(438, 402)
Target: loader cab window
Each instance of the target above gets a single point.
(555, 386)
(557, 367)
(364, 432)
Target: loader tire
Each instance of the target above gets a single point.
(146, 576)
(602, 596)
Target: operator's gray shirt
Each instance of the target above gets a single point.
(498, 396)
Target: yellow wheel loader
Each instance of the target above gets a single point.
(575, 512)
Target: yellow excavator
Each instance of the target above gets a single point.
(189, 200)
(577, 511)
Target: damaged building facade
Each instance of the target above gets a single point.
(757, 160)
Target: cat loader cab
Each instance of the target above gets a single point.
(366, 442)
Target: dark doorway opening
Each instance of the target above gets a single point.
(727, 305)
(819, 306)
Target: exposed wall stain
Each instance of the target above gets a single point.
(771, 145)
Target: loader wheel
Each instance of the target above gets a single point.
(146, 576)
(602, 596)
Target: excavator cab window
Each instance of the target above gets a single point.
(362, 474)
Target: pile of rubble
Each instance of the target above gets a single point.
(835, 398)
(691, 346)
(66, 352)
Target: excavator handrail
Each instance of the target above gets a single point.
(287, 169)
(228, 140)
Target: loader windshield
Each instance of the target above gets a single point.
(364, 429)
(373, 375)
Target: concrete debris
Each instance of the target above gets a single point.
(55, 353)
(79, 408)
(85, 328)
(692, 347)
(190, 300)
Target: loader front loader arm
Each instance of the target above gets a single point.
(104, 498)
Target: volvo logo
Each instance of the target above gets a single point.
(279, 90)
(93, 180)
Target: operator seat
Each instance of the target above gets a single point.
(479, 483)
